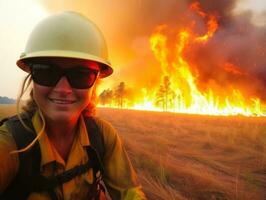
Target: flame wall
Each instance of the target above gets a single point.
(233, 58)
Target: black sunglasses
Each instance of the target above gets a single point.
(79, 77)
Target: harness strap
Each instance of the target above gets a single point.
(3, 120)
(42, 183)
(29, 168)
(29, 161)
(97, 150)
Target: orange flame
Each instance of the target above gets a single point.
(212, 24)
(179, 91)
(196, 7)
(190, 98)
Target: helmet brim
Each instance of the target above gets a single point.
(105, 67)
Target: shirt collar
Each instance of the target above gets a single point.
(47, 150)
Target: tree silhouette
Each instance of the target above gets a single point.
(106, 97)
(165, 96)
(120, 93)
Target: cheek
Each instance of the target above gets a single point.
(84, 95)
(40, 93)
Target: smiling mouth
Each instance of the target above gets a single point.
(61, 101)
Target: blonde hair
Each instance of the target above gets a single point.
(31, 107)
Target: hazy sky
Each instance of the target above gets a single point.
(19, 17)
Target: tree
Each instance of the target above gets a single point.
(6, 100)
(106, 97)
(120, 93)
(165, 96)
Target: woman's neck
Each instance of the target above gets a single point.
(61, 135)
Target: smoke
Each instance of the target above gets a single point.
(238, 42)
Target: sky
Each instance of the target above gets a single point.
(126, 37)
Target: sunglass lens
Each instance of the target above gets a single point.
(81, 78)
(44, 74)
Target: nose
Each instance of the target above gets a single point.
(63, 86)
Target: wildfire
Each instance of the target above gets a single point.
(189, 99)
(212, 24)
(179, 90)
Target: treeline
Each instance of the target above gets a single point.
(122, 95)
(118, 96)
(6, 100)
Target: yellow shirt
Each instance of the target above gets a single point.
(119, 173)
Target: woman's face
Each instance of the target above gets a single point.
(62, 102)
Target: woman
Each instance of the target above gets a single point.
(67, 154)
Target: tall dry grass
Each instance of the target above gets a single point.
(7, 110)
(184, 157)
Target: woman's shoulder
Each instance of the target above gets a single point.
(7, 142)
(9, 163)
(4, 133)
(107, 130)
(6, 139)
(11, 124)
(104, 126)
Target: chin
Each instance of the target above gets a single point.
(62, 116)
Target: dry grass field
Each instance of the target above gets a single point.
(187, 157)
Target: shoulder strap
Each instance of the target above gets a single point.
(21, 135)
(29, 161)
(3, 121)
(97, 149)
(29, 166)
